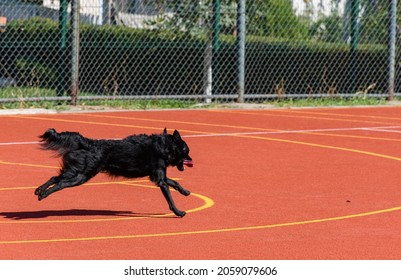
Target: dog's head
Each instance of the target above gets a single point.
(179, 155)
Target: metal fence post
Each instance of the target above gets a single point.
(63, 47)
(354, 43)
(241, 50)
(392, 25)
(73, 91)
(216, 45)
(208, 73)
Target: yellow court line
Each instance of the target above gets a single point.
(239, 228)
(245, 128)
(27, 164)
(147, 119)
(86, 184)
(102, 123)
(185, 122)
(208, 202)
(99, 238)
(205, 124)
(320, 146)
(253, 137)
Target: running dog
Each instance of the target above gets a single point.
(132, 157)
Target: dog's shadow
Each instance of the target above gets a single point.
(23, 215)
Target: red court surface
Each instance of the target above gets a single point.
(266, 184)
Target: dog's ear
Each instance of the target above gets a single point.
(165, 131)
(176, 135)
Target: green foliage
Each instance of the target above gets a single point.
(374, 22)
(327, 29)
(274, 18)
(34, 25)
(35, 31)
(196, 18)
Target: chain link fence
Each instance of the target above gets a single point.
(198, 50)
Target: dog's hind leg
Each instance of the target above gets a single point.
(160, 179)
(79, 167)
(177, 187)
(51, 181)
(64, 183)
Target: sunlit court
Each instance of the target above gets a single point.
(266, 184)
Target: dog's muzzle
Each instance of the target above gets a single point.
(186, 162)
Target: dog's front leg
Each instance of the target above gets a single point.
(160, 179)
(166, 192)
(178, 187)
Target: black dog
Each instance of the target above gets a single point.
(132, 157)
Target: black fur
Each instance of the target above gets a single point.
(132, 157)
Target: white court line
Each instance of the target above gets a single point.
(294, 131)
(383, 130)
(379, 129)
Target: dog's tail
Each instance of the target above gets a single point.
(63, 142)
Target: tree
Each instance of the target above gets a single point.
(274, 18)
(374, 21)
(328, 27)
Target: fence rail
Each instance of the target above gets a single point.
(200, 50)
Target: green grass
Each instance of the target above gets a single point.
(25, 92)
(140, 104)
(102, 104)
(329, 102)
(20, 93)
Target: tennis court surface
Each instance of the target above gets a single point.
(266, 184)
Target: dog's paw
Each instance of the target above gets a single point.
(184, 191)
(41, 196)
(180, 213)
(38, 191)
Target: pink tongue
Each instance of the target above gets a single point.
(189, 163)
